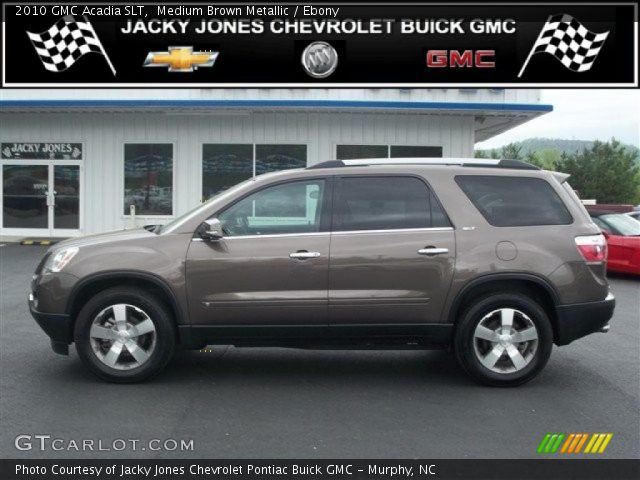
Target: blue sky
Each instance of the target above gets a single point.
(581, 115)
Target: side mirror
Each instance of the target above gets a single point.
(606, 233)
(211, 229)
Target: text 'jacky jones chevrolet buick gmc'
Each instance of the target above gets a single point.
(496, 260)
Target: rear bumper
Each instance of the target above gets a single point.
(580, 319)
(56, 325)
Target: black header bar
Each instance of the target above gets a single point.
(320, 45)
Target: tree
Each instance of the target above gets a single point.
(546, 159)
(512, 151)
(494, 153)
(606, 172)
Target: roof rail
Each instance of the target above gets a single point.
(463, 162)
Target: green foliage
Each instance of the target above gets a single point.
(557, 145)
(546, 159)
(607, 172)
(512, 151)
(537, 144)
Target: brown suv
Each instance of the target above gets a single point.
(497, 260)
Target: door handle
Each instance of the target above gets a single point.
(303, 255)
(432, 251)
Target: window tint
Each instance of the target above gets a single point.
(603, 226)
(354, 152)
(288, 208)
(274, 157)
(384, 203)
(408, 151)
(621, 224)
(225, 165)
(148, 178)
(515, 201)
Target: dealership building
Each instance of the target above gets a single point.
(76, 162)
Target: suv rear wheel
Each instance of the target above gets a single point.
(503, 339)
(124, 335)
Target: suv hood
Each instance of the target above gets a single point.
(116, 236)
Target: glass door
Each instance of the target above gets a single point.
(65, 196)
(25, 207)
(41, 199)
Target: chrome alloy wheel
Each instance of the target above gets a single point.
(122, 336)
(505, 340)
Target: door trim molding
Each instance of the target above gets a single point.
(393, 230)
(345, 232)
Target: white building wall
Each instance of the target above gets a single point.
(104, 136)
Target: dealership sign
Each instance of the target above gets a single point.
(294, 45)
(41, 151)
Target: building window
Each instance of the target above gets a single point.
(148, 178)
(274, 157)
(352, 152)
(225, 165)
(410, 151)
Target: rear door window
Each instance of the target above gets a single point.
(386, 203)
(515, 201)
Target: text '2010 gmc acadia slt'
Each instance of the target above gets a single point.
(497, 260)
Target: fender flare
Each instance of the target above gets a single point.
(127, 274)
(490, 277)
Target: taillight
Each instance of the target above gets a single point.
(593, 248)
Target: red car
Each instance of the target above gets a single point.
(623, 240)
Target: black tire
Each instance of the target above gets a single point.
(465, 347)
(164, 338)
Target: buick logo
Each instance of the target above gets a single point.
(319, 59)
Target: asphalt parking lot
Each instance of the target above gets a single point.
(280, 403)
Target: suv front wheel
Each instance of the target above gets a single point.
(503, 339)
(124, 335)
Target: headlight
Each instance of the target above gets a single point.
(59, 260)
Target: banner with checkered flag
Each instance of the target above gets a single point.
(65, 42)
(569, 41)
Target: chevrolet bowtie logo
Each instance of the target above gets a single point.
(181, 59)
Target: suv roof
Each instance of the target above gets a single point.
(463, 162)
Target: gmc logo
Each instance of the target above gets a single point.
(457, 58)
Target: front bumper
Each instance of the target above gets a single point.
(56, 325)
(580, 319)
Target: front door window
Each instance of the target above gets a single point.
(288, 208)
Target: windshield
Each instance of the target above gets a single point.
(194, 212)
(622, 224)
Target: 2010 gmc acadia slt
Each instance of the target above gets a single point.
(496, 260)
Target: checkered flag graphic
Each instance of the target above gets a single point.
(569, 41)
(65, 42)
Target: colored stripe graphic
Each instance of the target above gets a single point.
(550, 443)
(543, 443)
(570, 439)
(598, 443)
(572, 443)
(582, 441)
